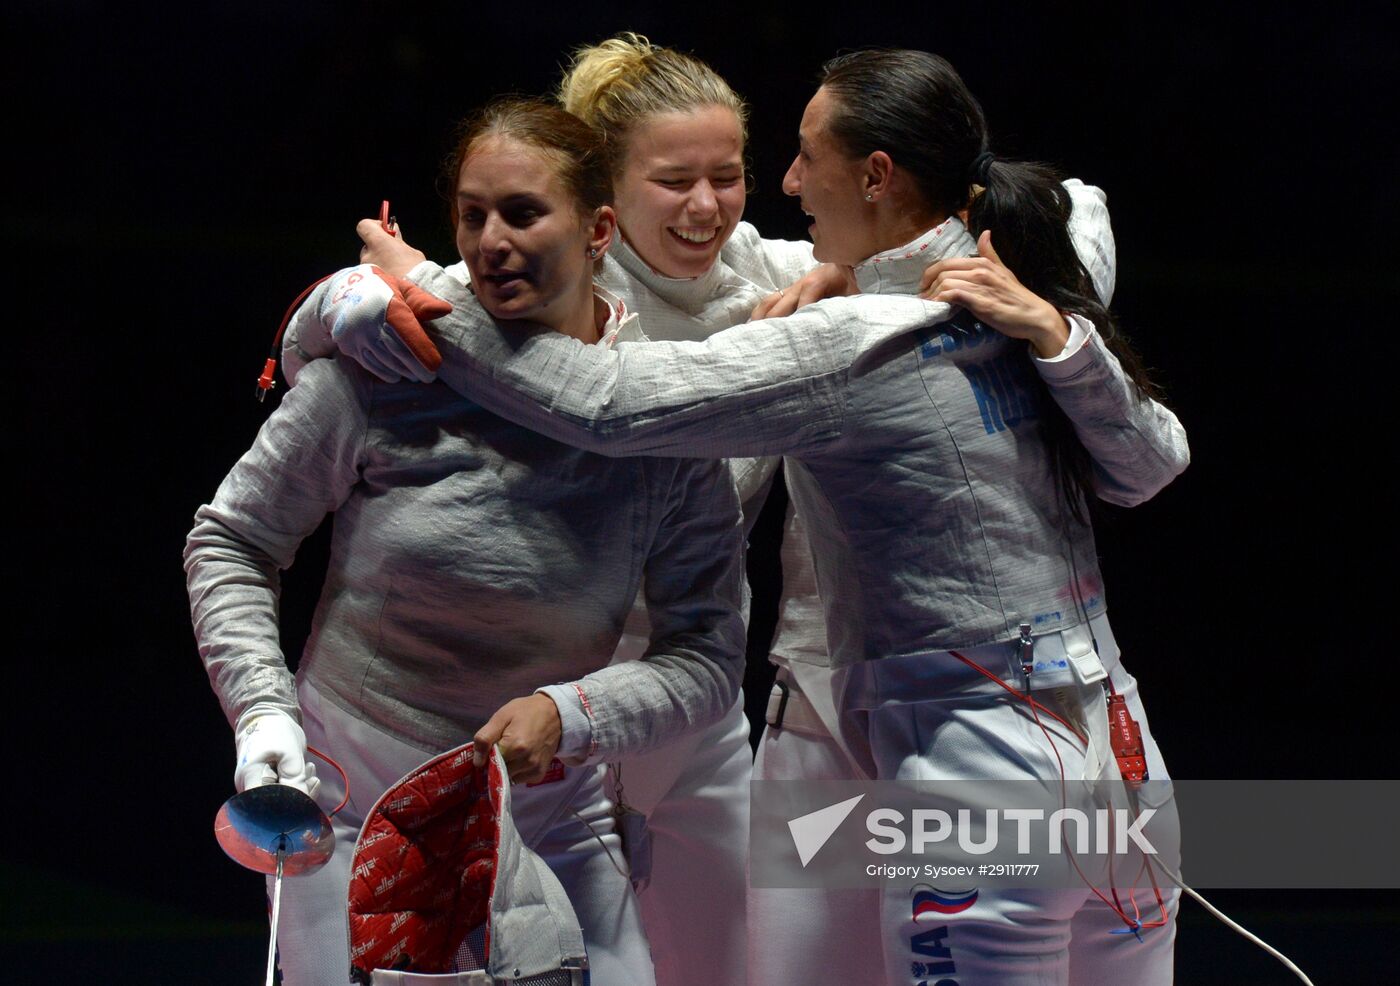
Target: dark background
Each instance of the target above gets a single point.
(186, 170)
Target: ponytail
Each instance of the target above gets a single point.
(916, 108)
(1027, 208)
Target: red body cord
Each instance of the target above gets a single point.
(1134, 923)
(344, 778)
(266, 382)
(268, 379)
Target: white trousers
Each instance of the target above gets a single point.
(801, 935)
(1007, 938)
(695, 794)
(313, 938)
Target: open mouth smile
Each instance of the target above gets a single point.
(693, 235)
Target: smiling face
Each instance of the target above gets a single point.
(832, 186)
(680, 190)
(522, 236)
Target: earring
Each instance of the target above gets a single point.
(869, 197)
(592, 253)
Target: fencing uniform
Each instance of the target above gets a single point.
(472, 562)
(784, 923)
(694, 790)
(885, 405)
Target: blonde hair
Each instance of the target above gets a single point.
(616, 84)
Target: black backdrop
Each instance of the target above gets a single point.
(184, 171)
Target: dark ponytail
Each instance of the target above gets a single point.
(916, 108)
(1027, 208)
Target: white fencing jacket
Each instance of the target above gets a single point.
(933, 516)
(472, 562)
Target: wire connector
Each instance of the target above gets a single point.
(1027, 653)
(268, 380)
(1125, 737)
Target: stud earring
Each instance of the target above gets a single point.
(592, 253)
(869, 197)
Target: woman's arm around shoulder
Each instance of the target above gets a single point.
(1137, 445)
(762, 389)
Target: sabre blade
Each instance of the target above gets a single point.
(276, 909)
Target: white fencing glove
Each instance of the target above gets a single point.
(376, 319)
(272, 750)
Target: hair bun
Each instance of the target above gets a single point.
(597, 70)
(617, 83)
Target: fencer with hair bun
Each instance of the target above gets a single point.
(690, 267)
(944, 499)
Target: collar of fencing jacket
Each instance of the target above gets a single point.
(689, 294)
(898, 271)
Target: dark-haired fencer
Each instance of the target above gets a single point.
(848, 389)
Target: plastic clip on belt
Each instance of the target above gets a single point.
(778, 702)
(1027, 653)
(789, 708)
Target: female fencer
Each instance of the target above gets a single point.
(690, 266)
(480, 576)
(924, 539)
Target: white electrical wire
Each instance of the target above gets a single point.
(1235, 926)
(611, 858)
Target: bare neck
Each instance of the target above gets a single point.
(581, 314)
(898, 220)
